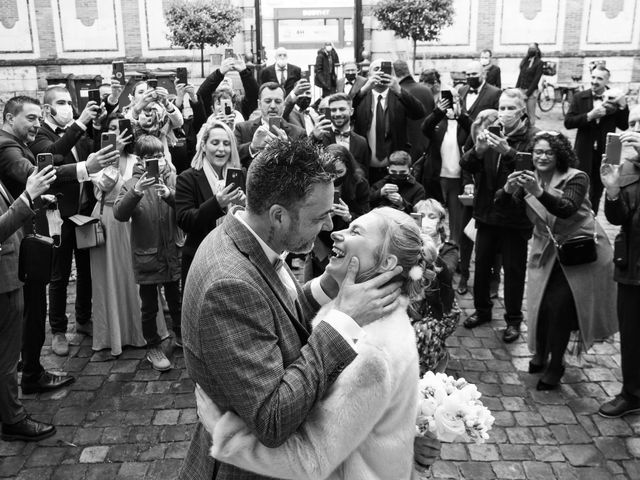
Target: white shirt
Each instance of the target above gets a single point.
(279, 72)
(339, 321)
(471, 98)
(371, 135)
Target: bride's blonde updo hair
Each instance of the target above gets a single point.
(415, 252)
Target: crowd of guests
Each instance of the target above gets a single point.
(394, 144)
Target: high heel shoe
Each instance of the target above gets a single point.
(550, 384)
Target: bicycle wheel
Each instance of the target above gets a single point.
(547, 98)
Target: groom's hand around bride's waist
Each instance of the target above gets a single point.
(370, 300)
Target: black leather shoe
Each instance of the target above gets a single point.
(619, 407)
(550, 380)
(474, 320)
(27, 430)
(462, 286)
(510, 334)
(535, 367)
(47, 382)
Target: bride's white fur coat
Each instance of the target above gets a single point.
(362, 430)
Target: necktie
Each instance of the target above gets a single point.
(286, 279)
(282, 70)
(380, 150)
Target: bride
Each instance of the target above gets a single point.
(364, 428)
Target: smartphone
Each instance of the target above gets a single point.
(274, 122)
(447, 95)
(306, 75)
(613, 149)
(118, 71)
(228, 53)
(94, 96)
(226, 105)
(495, 129)
(336, 196)
(523, 162)
(235, 176)
(182, 75)
(327, 113)
(124, 125)
(108, 138)
(152, 83)
(153, 170)
(418, 218)
(385, 67)
(43, 160)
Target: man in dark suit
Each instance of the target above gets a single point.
(477, 94)
(248, 340)
(253, 136)
(419, 142)
(281, 72)
(595, 114)
(325, 71)
(351, 83)
(65, 138)
(382, 109)
(16, 424)
(21, 121)
(297, 107)
(491, 71)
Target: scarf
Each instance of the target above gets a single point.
(212, 176)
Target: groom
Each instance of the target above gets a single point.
(247, 330)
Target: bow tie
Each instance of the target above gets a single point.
(473, 91)
(598, 97)
(349, 83)
(339, 133)
(59, 130)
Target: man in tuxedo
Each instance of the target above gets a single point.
(382, 109)
(491, 71)
(248, 340)
(253, 136)
(282, 72)
(65, 138)
(351, 83)
(16, 424)
(21, 121)
(477, 94)
(297, 107)
(419, 142)
(325, 72)
(594, 113)
(339, 131)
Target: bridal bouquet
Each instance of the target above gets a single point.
(451, 409)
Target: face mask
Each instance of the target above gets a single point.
(473, 82)
(350, 76)
(339, 181)
(430, 226)
(328, 48)
(303, 102)
(281, 63)
(63, 115)
(509, 118)
(531, 52)
(399, 177)
(484, 62)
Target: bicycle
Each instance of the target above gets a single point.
(546, 95)
(550, 94)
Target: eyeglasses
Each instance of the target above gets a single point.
(548, 153)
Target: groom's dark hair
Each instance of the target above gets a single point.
(284, 173)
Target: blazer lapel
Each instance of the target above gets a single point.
(203, 185)
(248, 245)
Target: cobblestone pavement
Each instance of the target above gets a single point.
(123, 420)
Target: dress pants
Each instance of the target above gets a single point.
(451, 188)
(629, 321)
(595, 184)
(33, 334)
(62, 257)
(512, 244)
(11, 306)
(149, 308)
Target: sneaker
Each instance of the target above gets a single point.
(158, 359)
(60, 345)
(85, 328)
(619, 407)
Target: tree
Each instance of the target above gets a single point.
(419, 20)
(196, 23)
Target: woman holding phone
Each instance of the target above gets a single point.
(561, 298)
(202, 193)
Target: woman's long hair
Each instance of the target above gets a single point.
(203, 138)
(336, 152)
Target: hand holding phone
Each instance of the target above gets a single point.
(109, 138)
(274, 122)
(523, 162)
(495, 129)
(181, 75)
(153, 169)
(447, 95)
(613, 149)
(235, 176)
(43, 160)
(152, 83)
(118, 72)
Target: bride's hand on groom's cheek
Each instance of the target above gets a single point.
(370, 300)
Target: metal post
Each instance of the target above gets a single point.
(258, 33)
(358, 31)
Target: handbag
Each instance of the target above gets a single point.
(35, 259)
(577, 250)
(89, 230)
